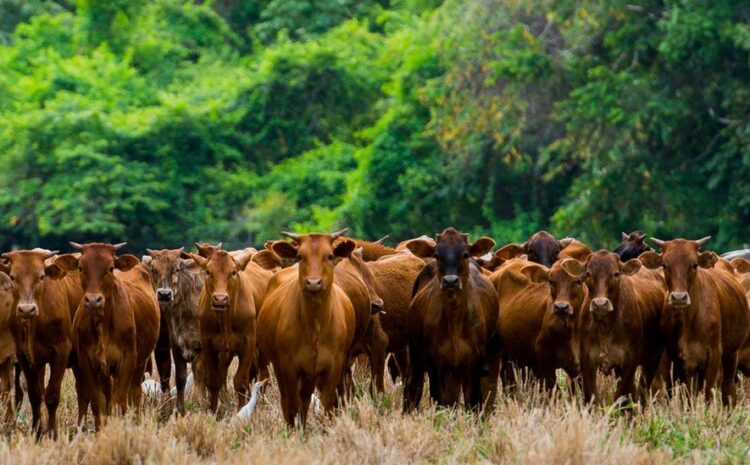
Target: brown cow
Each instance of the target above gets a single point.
(620, 323)
(371, 251)
(178, 283)
(115, 327)
(451, 324)
(705, 316)
(632, 246)
(227, 323)
(307, 323)
(542, 248)
(539, 308)
(7, 347)
(41, 327)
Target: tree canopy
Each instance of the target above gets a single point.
(162, 122)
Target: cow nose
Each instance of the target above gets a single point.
(679, 299)
(313, 284)
(220, 301)
(27, 310)
(600, 304)
(93, 300)
(164, 295)
(561, 308)
(451, 281)
(376, 306)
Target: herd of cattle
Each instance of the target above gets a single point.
(311, 304)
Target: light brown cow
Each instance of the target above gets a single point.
(307, 324)
(227, 320)
(41, 327)
(451, 324)
(705, 316)
(620, 323)
(539, 308)
(115, 327)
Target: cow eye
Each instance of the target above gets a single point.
(12, 277)
(616, 274)
(579, 281)
(330, 257)
(234, 272)
(41, 278)
(466, 254)
(111, 269)
(695, 266)
(298, 257)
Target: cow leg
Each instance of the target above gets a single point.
(242, 377)
(626, 384)
(17, 386)
(588, 375)
(378, 347)
(6, 381)
(729, 371)
(398, 365)
(123, 384)
(259, 368)
(52, 393)
(98, 398)
(34, 383)
(291, 402)
(213, 378)
(162, 355)
(712, 376)
(414, 382)
(82, 394)
(180, 378)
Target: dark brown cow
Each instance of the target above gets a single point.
(620, 323)
(41, 327)
(178, 283)
(7, 347)
(542, 248)
(539, 308)
(451, 324)
(705, 316)
(307, 324)
(115, 327)
(632, 246)
(227, 323)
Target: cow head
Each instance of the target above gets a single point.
(97, 264)
(680, 259)
(26, 272)
(565, 284)
(541, 248)
(166, 267)
(452, 252)
(316, 256)
(632, 246)
(602, 275)
(222, 278)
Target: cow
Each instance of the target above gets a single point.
(307, 323)
(371, 251)
(620, 323)
(40, 323)
(115, 328)
(705, 315)
(539, 309)
(451, 324)
(542, 248)
(632, 246)
(178, 283)
(7, 348)
(227, 322)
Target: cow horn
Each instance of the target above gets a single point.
(181, 249)
(640, 236)
(290, 235)
(658, 242)
(702, 241)
(119, 246)
(340, 233)
(50, 253)
(76, 245)
(625, 237)
(381, 241)
(218, 246)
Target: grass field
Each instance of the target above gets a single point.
(528, 426)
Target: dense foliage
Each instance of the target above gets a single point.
(167, 121)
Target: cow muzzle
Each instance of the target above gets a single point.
(562, 308)
(314, 284)
(164, 294)
(27, 310)
(679, 299)
(451, 282)
(93, 301)
(220, 302)
(601, 305)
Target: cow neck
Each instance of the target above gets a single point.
(315, 310)
(688, 315)
(455, 307)
(27, 333)
(104, 326)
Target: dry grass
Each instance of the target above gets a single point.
(528, 426)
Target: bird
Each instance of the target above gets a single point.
(246, 412)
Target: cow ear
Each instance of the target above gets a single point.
(267, 259)
(741, 265)
(54, 271)
(200, 261)
(572, 266)
(5, 284)
(565, 242)
(126, 262)
(536, 273)
(244, 261)
(707, 259)
(146, 260)
(481, 246)
(67, 262)
(421, 248)
(189, 264)
(630, 267)
(493, 263)
(509, 251)
(650, 260)
(5, 266)
(344, 248)
(284, 249)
